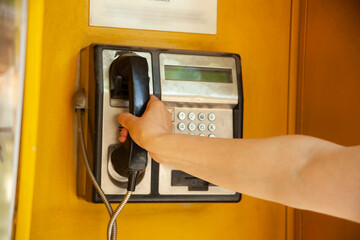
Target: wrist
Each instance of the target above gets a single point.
(155, 144)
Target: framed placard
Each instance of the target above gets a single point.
(194, 16)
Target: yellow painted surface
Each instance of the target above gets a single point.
(29, 131)
(257, 30)
(329, 99)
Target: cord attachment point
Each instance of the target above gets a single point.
(132, 180)
(79, 100)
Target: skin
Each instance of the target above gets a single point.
(299, 171)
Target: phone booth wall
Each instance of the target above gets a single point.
(49, 207)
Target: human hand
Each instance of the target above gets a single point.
(155, 121)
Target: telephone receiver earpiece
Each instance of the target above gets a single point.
(131, 71)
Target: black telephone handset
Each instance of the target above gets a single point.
(129, 76)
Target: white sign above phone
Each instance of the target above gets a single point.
(194, 16)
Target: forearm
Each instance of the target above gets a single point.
(254, 166)
(279, 169)
(299, 171)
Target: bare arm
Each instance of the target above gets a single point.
(299, 171)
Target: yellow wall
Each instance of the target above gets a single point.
(258, 30)
(329, 99)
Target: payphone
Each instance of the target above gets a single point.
(201, 90)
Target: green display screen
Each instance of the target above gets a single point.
(198, 74)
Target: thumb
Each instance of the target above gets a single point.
(126, 119)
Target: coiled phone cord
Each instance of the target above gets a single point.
(112, 229)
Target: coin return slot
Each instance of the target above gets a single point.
(180, 178)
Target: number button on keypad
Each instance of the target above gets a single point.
(201, 116)
(212, 127)
(202, 127)
(181, 115)
(191, 126)
(181, 126)
(211, 116)
(192, 116)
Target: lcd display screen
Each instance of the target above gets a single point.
(198, 74)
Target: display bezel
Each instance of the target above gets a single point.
(197, 74)
(199, 91)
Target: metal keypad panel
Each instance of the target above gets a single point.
(204, 122)
(199, 108)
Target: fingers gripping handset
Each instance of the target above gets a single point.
(130, 72)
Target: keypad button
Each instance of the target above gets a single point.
(202, 135)
(212, 135)
(192, 116)
(181, 126)
(201, 116)
(212, 127)
(202, 127)
(181, 115)
(191, 126)
(211, 116)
